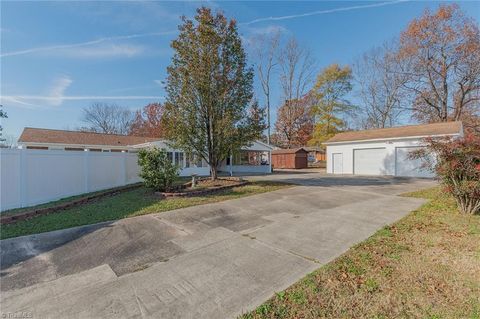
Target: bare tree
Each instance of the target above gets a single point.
(380, 87)
(8, 141)
(3, 114)
(107, 118)
(266, 53)
(297, 70)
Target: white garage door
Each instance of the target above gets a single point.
(370, 161)
(408, 167)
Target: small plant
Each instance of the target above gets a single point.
(263, 309)
(157, 170)
(298, 297)
(281, 295)
(457, 163)
(371, 285)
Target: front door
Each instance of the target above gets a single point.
(337, 159)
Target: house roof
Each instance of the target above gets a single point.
(49, 136)
(289, 151)
(444, 128)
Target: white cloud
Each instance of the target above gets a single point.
(55, 95)
(84, 44)
(58, 89)
(267, 30)
(318, 12)
(102, 51)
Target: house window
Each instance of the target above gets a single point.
(74, 149)
(253, 158)
(179, 159)
(170, 156)
(188, 160)
(94, 149)
(198, 161)
(37, 148)
(194, 161)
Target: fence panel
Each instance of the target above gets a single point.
(52, 174)
(105, 170)
(10, 183)
(132, 169)
(31, 177)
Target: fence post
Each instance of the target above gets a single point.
(86, 168)
(125, 167)
(23, 177)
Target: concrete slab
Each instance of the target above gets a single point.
(210, 261)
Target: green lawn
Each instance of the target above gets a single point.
(136, 202)
(427, 265)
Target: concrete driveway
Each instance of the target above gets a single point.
(211, 261)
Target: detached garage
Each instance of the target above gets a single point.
(384, 151)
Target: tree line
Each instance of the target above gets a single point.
(429, 73)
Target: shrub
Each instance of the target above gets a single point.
(457, 164)
(157, 170)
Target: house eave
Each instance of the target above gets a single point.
(392, 139)
(63, 145)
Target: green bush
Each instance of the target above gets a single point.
(157, 170)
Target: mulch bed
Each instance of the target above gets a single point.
(27, 214)
(205, 186)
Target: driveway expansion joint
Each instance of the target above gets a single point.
(234, 255)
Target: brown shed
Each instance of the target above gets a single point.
(290, 158)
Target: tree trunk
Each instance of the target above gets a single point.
(213, 172)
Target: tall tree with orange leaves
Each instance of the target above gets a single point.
(440, 52)
(294, 124)
(148, 121)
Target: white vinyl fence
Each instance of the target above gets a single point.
(31, 177)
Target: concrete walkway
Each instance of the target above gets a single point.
(211, 261)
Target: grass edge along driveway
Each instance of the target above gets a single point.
(131, 203)
(427, 265)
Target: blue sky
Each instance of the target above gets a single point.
(59, 56)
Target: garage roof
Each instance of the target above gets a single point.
(424, 130)
(41, 135)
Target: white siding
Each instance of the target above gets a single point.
(254, 169)
(347, 151)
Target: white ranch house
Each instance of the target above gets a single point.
(384, 151)
(255, 158)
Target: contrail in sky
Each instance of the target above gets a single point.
(87, 43)
(313, 13)
(79, 98)
(141, 35)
